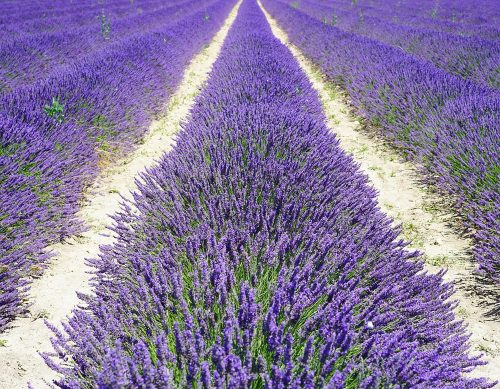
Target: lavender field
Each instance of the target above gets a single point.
(249, 194)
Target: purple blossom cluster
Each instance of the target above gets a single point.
(53, 134)
(254, 255)
(449, 126)
(472, 58)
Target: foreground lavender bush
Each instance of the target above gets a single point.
(448, 125)
(53, 133)
(256, 256)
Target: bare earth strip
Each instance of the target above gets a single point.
(54, 295)
(401, 197)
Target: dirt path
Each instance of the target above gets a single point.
(54, 294)
(402, 198)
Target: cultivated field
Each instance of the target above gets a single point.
(249, 193)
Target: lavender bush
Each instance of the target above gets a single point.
(448, 125)
(53, 133)
(256, 256)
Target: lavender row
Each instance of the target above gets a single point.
(53, 134)
(257, 257)
(31, 11)
(468, 57)
(42, 10)
(461, 18)
(35, 57)
(75, 18)
(462, 13)
(449, 126)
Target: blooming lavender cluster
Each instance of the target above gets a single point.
(448, 125)
(254, 255)
(472, 58)
(53, 133)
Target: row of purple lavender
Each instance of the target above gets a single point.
(255, 256)
(470, 57)
(449, 126)
(34, 56)
(466, 18)
(53, 131)
(31, 18)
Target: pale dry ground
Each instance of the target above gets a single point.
(54, 294)
(401, 197)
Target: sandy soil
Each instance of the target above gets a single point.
(54, 294)
(423, 219)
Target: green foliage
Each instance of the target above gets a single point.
(361, 16)
(206, 156)
(27, 169)
(334, 20)
(105, 25)
(55, 110)
(104, 129)
(11, 149)
(494, 78)
(435, 10)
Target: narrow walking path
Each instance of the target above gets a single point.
(55, 294)
(401, 197)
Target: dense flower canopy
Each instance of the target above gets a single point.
(255, 255)
(53, 131)
(448, 125)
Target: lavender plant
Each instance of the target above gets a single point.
(254, 255)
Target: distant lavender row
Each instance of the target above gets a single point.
(51, 136)
(470, 12)
(474, 13)
(42, 10)
(451, 127)
(257, 256)
(453, 16)
(28, 11)
(35, 57)
(15, 28)
(469, 57)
